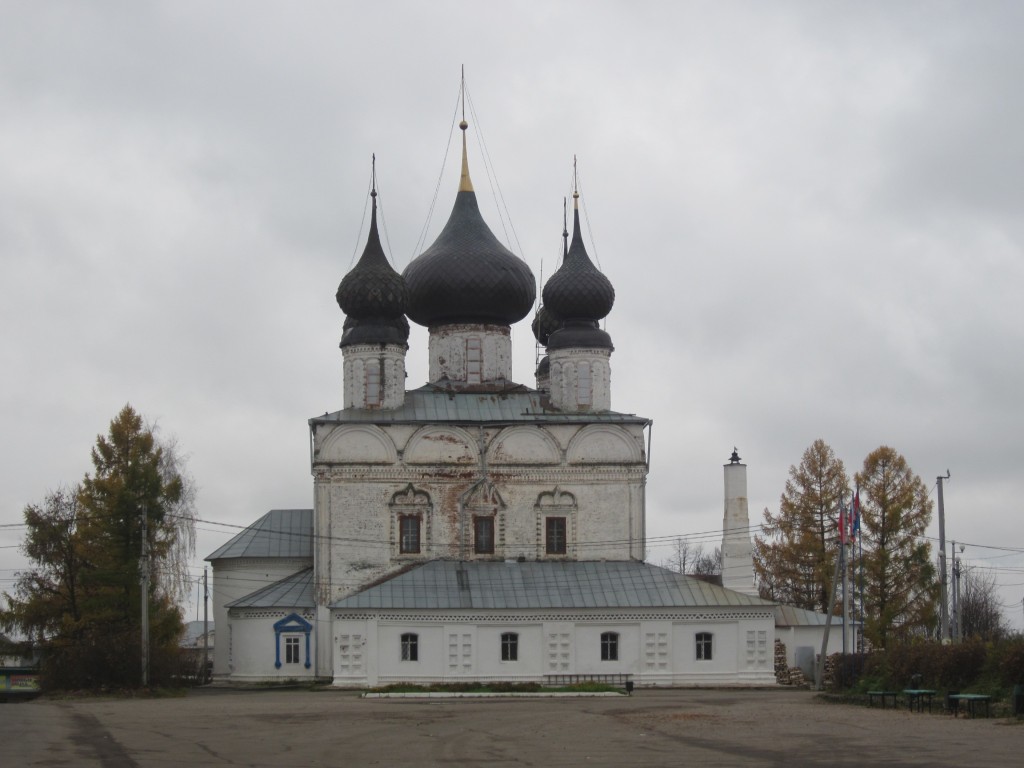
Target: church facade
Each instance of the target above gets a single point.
(475, 528)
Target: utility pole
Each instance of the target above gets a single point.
(944, 606)
(144, 568)
(206, 628)
(954, 624)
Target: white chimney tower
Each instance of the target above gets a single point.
(737, 551)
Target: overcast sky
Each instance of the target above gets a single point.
(811, 214)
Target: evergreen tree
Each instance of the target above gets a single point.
(794, 556)
(82, 599)
(899, 578)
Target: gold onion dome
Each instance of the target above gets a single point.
(467, 275)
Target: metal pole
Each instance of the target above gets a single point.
(954, 621)
(944, 607)
(144, 567)
(206, 628)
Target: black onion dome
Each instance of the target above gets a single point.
(578, 334)
(544, 324)
(373, 296)
(578, 290)
(467, 275)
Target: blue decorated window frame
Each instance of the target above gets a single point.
(291, 624)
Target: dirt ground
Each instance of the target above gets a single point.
(651, 728)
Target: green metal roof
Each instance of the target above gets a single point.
(451, 584)
(279, 533)
(431, 403)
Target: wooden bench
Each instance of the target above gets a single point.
(918, 696)
(883, 695)
(971, 700)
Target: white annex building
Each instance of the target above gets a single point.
(476, 528)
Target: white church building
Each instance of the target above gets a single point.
(475, 528)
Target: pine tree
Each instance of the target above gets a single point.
(899, 578)
(82, 599)
(794, 556)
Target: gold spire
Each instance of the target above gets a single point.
(465, 184)
(575, 186)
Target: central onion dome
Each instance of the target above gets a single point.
(467, 275)
(373, 296)
(579, 294)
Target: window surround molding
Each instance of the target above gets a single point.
(410, 503)
(291, 624)
(482, 500)
(556, 503)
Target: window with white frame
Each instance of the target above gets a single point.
(704, 646)
(609, 646)
(509, 646)
(291, 650)
(410, 647)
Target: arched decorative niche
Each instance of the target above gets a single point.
(441, 445)
(356, 444)
(524, 445)
(603, 444)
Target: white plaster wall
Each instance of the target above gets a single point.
(654, 651)
(388, 360)
(253, 655)
(563, 379)
(235, 578)
(602, 466)
(737, 549)
(447, 351)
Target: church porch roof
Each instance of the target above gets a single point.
(451, 584)
(279, 533)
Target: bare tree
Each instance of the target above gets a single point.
(980, 612)
(689, 559)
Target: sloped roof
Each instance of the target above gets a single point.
(450, 584)
(295, 591)
(791, 616)
(279, 533)
(434, 404)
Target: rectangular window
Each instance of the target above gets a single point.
(555, 535)
(609, 646)
(483, 535)
(703, 646)
(584, 384)
(474, 360)
(409, 534)
(509, 646)
(372, 385)
(410, 647)
(291, 650)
